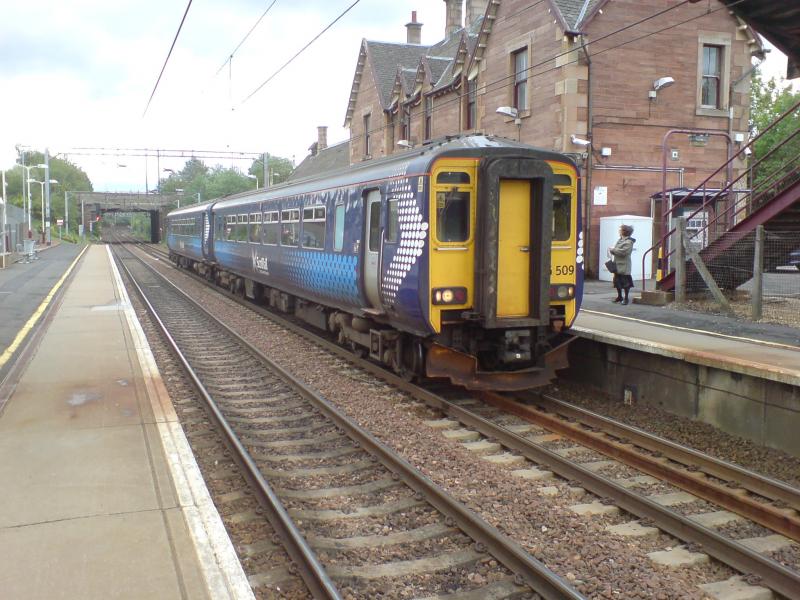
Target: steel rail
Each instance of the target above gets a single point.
(528, 569)
(310, 569)
(776, 576)
(782, 521)
(730, 552)
(730, 472)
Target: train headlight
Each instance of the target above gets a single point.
(562, 292)
(454, 295)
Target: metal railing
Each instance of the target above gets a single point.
(769, 187)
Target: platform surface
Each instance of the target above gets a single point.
(90, 507)
(759, 349)
(23, 286)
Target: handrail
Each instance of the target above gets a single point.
(727, 189)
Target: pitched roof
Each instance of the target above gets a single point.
(331, 158)
(574, 14)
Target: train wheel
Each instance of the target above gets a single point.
(358, 350)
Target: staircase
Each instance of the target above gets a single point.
(774, 202)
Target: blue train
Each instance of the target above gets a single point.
(460, 259)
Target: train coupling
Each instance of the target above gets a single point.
(462, 369)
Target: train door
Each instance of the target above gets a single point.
(372, 247)
(514, 245)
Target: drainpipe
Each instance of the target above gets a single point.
(588, 196)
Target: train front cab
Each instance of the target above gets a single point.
(492, 292)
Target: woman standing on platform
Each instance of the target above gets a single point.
(621, 255)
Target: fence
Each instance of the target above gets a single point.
(757, 277)
(15, 227)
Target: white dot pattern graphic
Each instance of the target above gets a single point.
(413, 233)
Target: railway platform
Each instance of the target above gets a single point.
(761, 349)
(740, 376)
(101, 495)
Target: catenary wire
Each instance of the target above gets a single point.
(177, 33)
(299, 52)
(247, 35)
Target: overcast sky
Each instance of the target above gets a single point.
(78, 73)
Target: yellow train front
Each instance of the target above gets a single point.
(460, 259)
(505, 264)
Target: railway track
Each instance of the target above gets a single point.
(554, 437)
(351, 513)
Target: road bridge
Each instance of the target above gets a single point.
(95, 204)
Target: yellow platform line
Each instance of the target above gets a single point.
(26, 329)
(689, 329)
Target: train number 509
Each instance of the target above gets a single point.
(565, 269)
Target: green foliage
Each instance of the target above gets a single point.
(70, 178)
(769, 101)
(279, 169)
(216, 182)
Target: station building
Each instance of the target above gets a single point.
(602, 80)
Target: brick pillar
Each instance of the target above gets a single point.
(414, 30)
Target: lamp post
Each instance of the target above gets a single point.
(42, 184)
(249, 176)
(46, 197)
(28, 195)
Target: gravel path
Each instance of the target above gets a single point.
(599, 564)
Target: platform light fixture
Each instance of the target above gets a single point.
(512, 112)
(249, 176)
(583, 143)
(405, 144)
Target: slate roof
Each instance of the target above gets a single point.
(574, 14)
(331, 158)
(385, 58)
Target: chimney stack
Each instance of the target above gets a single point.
(475, 9)
(414, 30)
(322, 137)
(453, 21)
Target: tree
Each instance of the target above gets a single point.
(769, 101)
(70, 177)
(280, 168)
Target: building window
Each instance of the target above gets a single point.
(366, 135)
(712, 76)
(405, 124)
(428, 116)
(520, 63)
(472, 103)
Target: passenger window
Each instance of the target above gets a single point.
(375, 226)
(392, 222)
(255, 228)
(314, 227)
(241, 228)
(338, 227)
(290, 227)
(452, 215)
(562, 215)
(272, 228)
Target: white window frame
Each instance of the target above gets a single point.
(724, 41)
